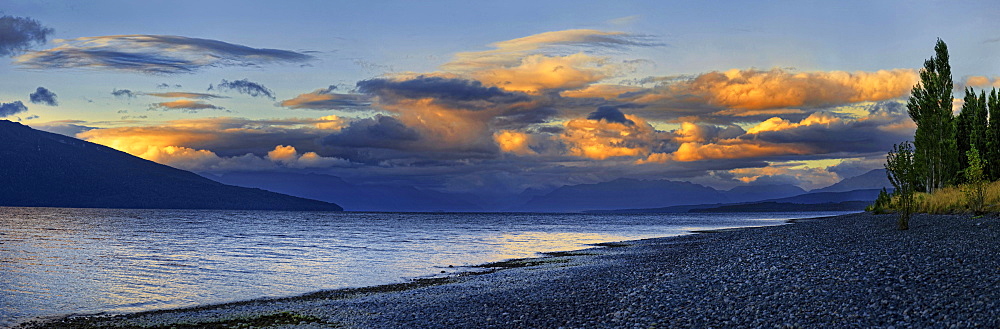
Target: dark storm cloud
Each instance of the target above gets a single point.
(326, 99)
(123, 93)
(153, 54)
(378, 132)
(12, 108)
(19, 34)
(44, 96)
(609, 114)
(245, 87)
(443, 90)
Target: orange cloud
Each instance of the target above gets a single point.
(733, 149)
(777, 88)
(522, 64)
(601, 139)
(186, 104)
(541, 72)
(185, 143)
(777, 124)
(513, 142)
(599, 91)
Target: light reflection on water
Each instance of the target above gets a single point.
(58, 261)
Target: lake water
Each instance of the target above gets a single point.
(56, 261)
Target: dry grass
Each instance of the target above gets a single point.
(953, 200)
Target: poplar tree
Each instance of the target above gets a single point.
(970, 128)
(930, 108)
(992, 150)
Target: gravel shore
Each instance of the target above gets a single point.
(846, 271)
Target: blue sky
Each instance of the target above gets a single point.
(473, 93)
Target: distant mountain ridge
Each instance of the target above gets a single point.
(351, 197)
(872, 180)
(41, 169)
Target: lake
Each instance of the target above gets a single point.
(57, 261)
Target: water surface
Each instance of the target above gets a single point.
(56, 261)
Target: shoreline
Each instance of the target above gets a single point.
(583, 283)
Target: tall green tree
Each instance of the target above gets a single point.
(930, 108)
(970, 129)
(992, 151)
(903, 174)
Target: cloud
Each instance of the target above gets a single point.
(186, 104)
(978, 81)
(326, 99)
(246, 87)
(609, 114)
(786, 173)
(166, 85)
(290, 157)
(12, 108)
(178, 94)
(225, 138)
(378, 132)
(602, 139)
(153, 54)
(19, 34)
(741, 95)
(510, 52)
(123, 93)
(514, 142)
(63, 127)
(453, 92)
(44, 96)
(547, 61)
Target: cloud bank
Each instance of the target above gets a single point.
(152, 54)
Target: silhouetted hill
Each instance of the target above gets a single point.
(41, 169)
(771, 206)
(825, 197)
(872, 180)
(821, 201)
(351, 197)
(761, 192)
(622, 193)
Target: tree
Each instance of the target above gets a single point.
(930, 108)
(970, 128)
(992, 150)
(975, 189)
(903, 174)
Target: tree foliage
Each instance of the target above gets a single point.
(930, 108)
(975, 189)
(992, 137)
(904, 176)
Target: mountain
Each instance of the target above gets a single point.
(351, 197)
(762, 192)
(622, 193)
(41, 169)
(771, 206)
(868, 195)
(872, 180)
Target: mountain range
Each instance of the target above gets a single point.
(41, 169)
(621, 194)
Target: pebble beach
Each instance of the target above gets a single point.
(851, 271)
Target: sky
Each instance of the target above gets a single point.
(463, 96)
